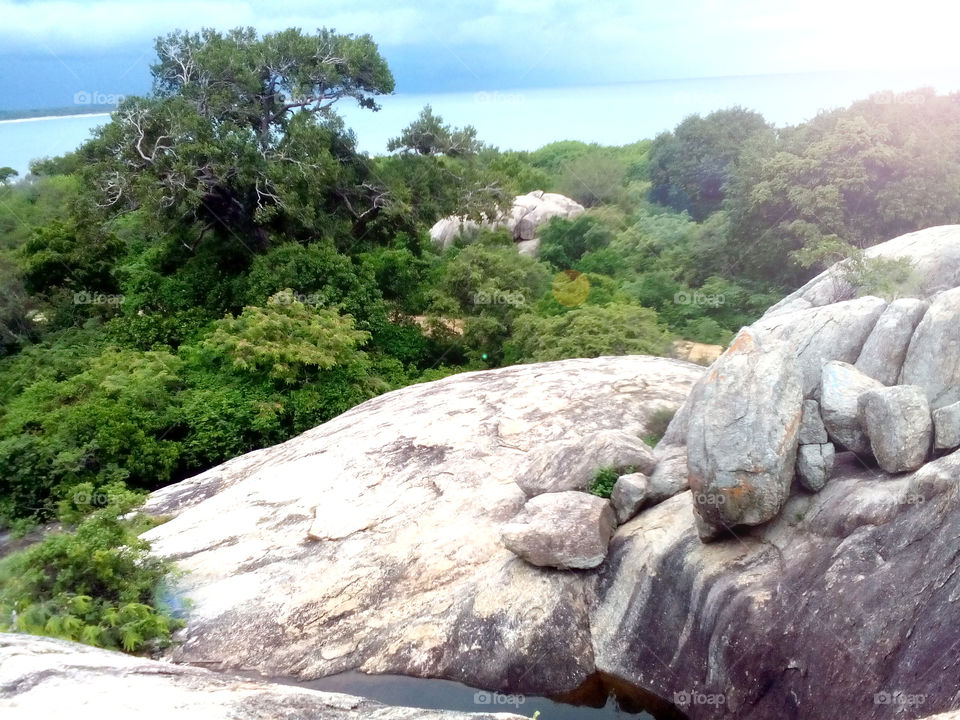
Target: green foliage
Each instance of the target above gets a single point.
(657, 425)
(97, 585)
(604, 480)
(427, 135)
(589, 331)
(7, 174)
(563, 242)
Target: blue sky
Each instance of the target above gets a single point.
(51, 49)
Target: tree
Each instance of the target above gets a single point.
(7, 173)
(240, 135)
(427, 135)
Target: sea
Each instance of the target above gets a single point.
(528, 118)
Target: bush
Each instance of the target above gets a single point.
(97, 585)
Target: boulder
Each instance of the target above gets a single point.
(884, 351)
(372, 542)
(820, 334)
(841, 387)
(946, 426)
(742, 437)
(897, 421)
(46, 678)
(629, 495)
(564, 530)
(812, 430)
(933, 359)
(814, 465)
(572, 464)
(528, 213)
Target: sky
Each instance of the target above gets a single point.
(50, 50)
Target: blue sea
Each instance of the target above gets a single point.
(525, 118)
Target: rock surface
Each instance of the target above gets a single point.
(812, 430)
(742, 443)
(885, 349)
(629, 495)
(898, 423)
(564, 530)
(408, 493)
(572, 464)
(47, 678)
(814, 465)
(946, 424)
(841, 388)
(933, 360)
(528, 213)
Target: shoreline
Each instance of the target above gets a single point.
(54, 117)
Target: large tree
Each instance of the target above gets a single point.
(239, 133)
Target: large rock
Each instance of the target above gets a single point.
(933, 360)
(629, 495)
(572, 464)
(897, 421)
(884, 351)
(841, 387)
(565, 530)
(47, 678)
(812, 430)
(373, 541)
(524, 219)
(934, 254)
(742, 439)
(946, 426)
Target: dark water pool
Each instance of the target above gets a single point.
(599, 698)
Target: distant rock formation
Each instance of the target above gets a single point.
(529, 212)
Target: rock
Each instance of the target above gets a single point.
(528, 213)
(897, 421)
(573, 464)
(411, 490)
(742, 438)
(821, 334)
(629, 495)
(933, 360)
(934, 253)
(841, 388)
(814, 465)
(848, 593)
(700, 353)
(812, 430)
(671, 475)
(946, 424)
(565, 530)
(46, 678)
(884, 351)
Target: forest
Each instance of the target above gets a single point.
(219, 269)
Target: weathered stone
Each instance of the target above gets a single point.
(408, 493)
(671, 475)
(742, 437)
(565, 530)
(528, 213)
(821, 334)
(841, 387)
(933, 252)
(897, 421)
(814, 465)
(812, 430)
(885, 349)
(629, 495)
(933, 360)
(46, 678)
(946, 425)
(573, 464)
